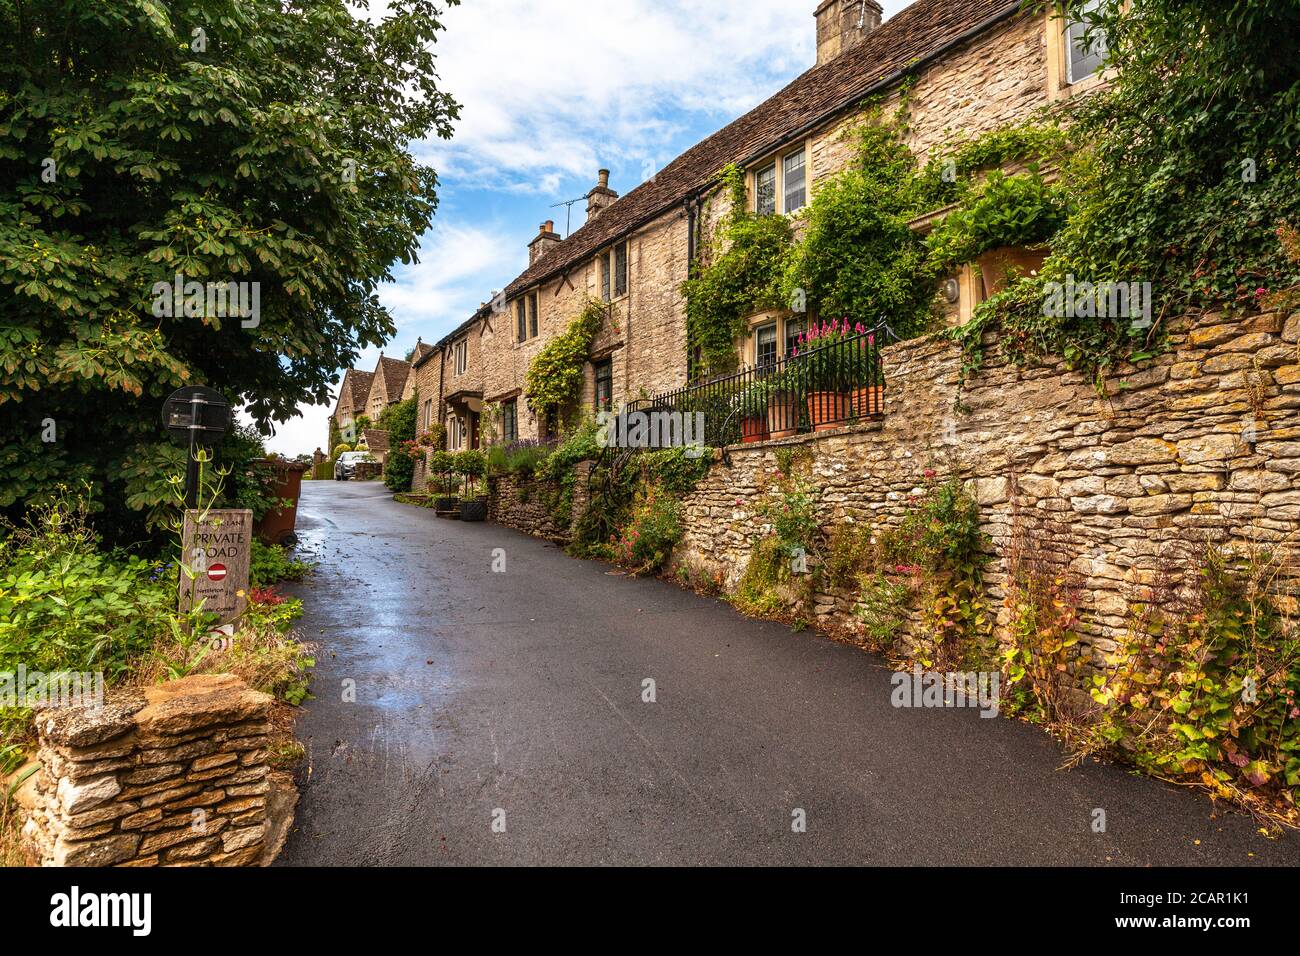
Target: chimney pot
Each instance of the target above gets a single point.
(601, 196)
(843, 24)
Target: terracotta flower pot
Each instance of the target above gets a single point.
(754, 429)
(829, 410)
(782, 415)
(996, 265)
(868, 401)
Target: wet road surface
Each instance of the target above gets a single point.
(488, 701)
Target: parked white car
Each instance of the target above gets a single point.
(346, 466)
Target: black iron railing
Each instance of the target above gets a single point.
(837, 380)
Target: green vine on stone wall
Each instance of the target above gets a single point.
(740, 273)
(557, 373)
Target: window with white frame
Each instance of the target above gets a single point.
(461, 352)
(1085, 46)
(426, 415)
(793, 329)
(794, 182)
(781, 185)
(456, 434)
(765, 344)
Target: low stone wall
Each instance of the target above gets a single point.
(1200, 447)
(176, 776)
(527, 505)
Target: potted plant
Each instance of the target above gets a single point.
(472, 466)
(830, 359)
(782, 392)
(446, 500)
(1001, 227)
(752, 411)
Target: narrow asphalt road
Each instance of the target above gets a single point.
(488, 701)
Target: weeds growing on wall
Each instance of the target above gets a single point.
(1207, 688)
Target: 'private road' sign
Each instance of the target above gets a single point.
(214, 565)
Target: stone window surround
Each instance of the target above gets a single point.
(1059, 86)
(529, 319)
(460, 351)
(748, 349)
(778, 158)
(604, 263)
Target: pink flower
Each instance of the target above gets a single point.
(1261, 291)
(871, 339)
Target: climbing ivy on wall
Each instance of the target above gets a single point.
(740, 273)
(556, 375)
(1185, 175)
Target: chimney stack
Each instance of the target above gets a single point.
(601, 197)
(843, 24)
(547, 238)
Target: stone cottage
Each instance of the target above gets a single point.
(971, 66)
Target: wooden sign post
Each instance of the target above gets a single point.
(214, 564)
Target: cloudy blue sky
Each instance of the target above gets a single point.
(551, 92)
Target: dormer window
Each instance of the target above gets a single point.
(1085, 49)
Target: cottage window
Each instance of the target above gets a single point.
(765, 190)
(620, 269)
(604, 385)
(510, 420)
(765, 344)
(532, 315)
(794, 181)
(456, 436)
(462, 356)
(793, 329)
(426, 416)
(521, 320)
(1085, 50)
(605, 276)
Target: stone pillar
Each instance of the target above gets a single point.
(174, 776)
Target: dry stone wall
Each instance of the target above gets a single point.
(1201, 446)
(530, 505)
(176, 776)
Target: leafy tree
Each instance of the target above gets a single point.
(254, 141)
(399, 420)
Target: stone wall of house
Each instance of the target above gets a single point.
(529, 504)
(1118, 490)
(175, 776)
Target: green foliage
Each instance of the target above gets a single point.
(756, 593)
(234, 162)
(399, 420)
(859, 258)
(1186, 168)
(270, 564)
(557, 373)
(790, 507)
(648, 539)
(66, 605)
(523, 458)
(1211, 690)
(739, 273)
(1019, 210)
(581, 443)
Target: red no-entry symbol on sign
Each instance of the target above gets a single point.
(217, 572)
